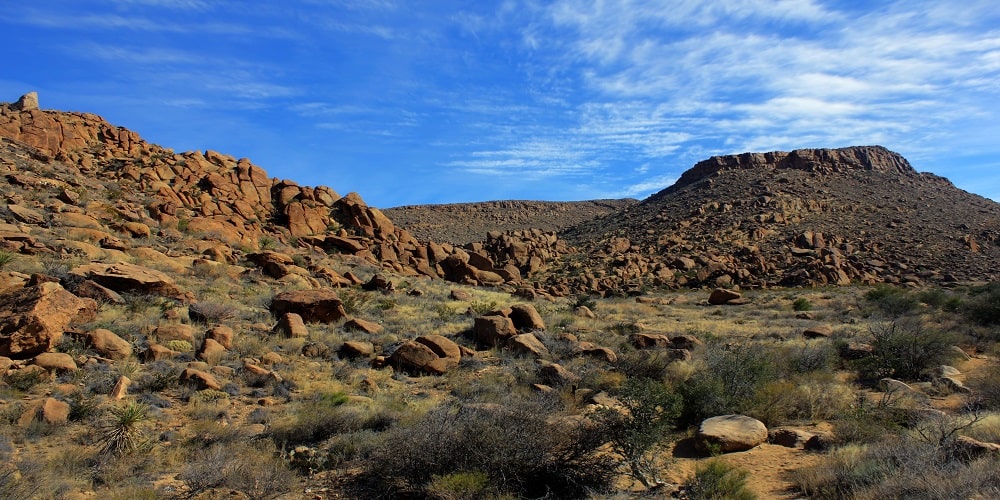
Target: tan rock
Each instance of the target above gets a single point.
(27, 102)
(414, 356)
(529, 344)
(123, 277)
(211, 351)
(442, 346)
(290, 325)
(55, 362)
(120, 389)
(107, 344)
(177, 331)
(649, 340)
(33, 319)
(357, 349)
(50, 411)
(818, 331)
(730, 433)
(157, 352)
(26, 215)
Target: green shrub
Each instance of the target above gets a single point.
(121, 432)
(984, 305)
(648, 412)
(728, 383)
(318, 419)
(179, 345)
(459, 486)
(24, 380)
(904, 349)
(802, 304)
(891, 301)
(716, 480)
(6, 257)
(646, 364)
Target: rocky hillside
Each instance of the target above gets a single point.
(806, 217)
(437, 222)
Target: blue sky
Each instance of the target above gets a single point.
(452, 101)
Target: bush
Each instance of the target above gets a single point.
(984, 305)
(802, 304)
(246, 468)
(5, 258)
(121, 431)
(904, 349)
(648, 412)
(514, 444)
(459, 486)
(716, 480)
(891, 301)
(728, 383)
(316, 420)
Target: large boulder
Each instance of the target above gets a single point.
(50, 411)
(493, 330)
(56, 362)
(32, 320)
(528, 343)
(107, 344)
(290, 325)
(417, 357)
(130, 278)
(525, 317)
(728, 433)
(721, 296)
(321, 305)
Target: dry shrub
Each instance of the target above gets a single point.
(514, 444)
(248, 468)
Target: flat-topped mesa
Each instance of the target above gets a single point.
(871, 158)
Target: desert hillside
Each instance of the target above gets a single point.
(183, 325)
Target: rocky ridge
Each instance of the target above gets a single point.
(437, 222)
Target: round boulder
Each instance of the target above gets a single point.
(728, 433)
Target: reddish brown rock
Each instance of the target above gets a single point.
(529, 344)
(320, 305)
(442, 346)
(221, 334)
(721, 296)
(50, 411)
(414, 356)
(818, 331)
(102, 294)
(32, 320)
(361, 325)
(120, 389)
(493, 330)
(357, 349)
(649, 340)
(525, 317)
(124, 277)
(199, 379)
(210, 351)
(157, 352)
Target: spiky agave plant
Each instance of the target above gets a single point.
(122, 432)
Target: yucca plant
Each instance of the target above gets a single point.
(122, 432)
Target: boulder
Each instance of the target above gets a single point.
(361, 325)
(27, 102)
(210, 351)
(55, 362)
(221, 334)
(33, 319)
(493, 330)
(556, 374)
(290, 325)
(50, 411)
(200, 379)
(90, 289)
(176, 331)
(789, 437)
(817, 332)
(649, 340)
(320, 305)
(125, 278)
(157, 352)
(273, 264)
(417, 357)
(528, 344)
(442, 346)
(729, 433)
(107, 344)
(685, 341)
(595, 351)
(460, 295)
(357, 349)
(120, 389)
(525, 317)
(966, 447)
(721, 296)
